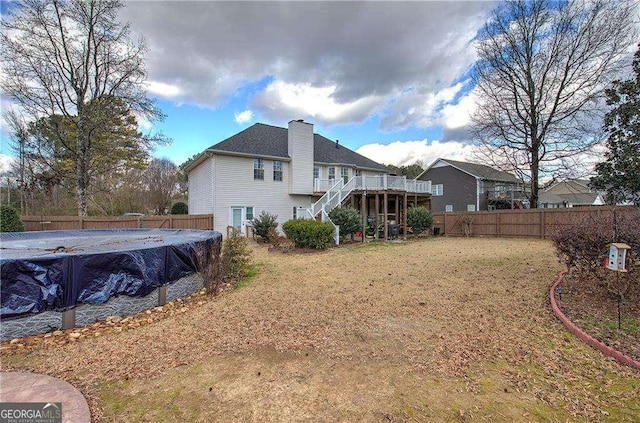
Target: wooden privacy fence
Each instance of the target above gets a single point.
(54, 223)
(530, 223)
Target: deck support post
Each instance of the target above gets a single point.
(404, 206)
(363, 214)
(385, 215)
(375, 236)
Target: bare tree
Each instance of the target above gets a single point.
(540, 76)
(60, 57)
(161, 180)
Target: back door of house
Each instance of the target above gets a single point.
(238, 218)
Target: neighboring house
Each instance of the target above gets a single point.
(569, 193)
(461, 186)
(287, 172)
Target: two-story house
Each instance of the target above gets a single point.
(292, 173)
(461, 186)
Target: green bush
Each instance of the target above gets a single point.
(179, 208)
(263, 222)
(419, 218)
(10, 220)
(347, 219)
(309, 233)
(236, 255)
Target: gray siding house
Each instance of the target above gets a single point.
(290, 172)
(461, 186)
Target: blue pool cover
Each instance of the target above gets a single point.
(55, 270)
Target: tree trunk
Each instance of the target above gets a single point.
(535, 171)
(81, 161)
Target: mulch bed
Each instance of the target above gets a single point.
(590, 303)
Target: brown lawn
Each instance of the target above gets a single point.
(439, 329)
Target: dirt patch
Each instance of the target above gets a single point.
(439, 329)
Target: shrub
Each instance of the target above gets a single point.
(309, 233)
(236, 255)
(179, 208)
(10, 220)
(347, 219)
(263, 222)
(583, 245)
(419, 218)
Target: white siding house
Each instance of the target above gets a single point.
(268, 168)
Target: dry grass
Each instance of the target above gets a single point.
(438, 329)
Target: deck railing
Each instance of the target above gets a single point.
(377, 182)
(336, 191)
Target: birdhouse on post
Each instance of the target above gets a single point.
(617, 257)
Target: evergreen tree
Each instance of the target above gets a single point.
(619, 174)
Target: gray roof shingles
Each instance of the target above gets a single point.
(266, 140)
(484, 172)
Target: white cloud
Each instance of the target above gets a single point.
(416, 108)
(5, 163)
(144, 124)
(401, 63)
(458, 115)
(281, 100)
(243, 117)
(403, 153)
(163, 90)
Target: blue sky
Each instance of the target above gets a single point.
(388, 79)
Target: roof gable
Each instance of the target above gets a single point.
(480, 171)
(272, 141)
(257, 140)
(331, 152)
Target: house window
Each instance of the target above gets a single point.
(258, 169)
(344, 173)
(249, 213)
(295, 212)
(471, 207)
(437, 189)
(332, 173)
(358, 172)
(316, 173)
(277, 171)
(448, 208)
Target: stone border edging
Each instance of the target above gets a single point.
(593, 342)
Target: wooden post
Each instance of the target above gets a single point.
(363, 214)
(444, 223)
(542, 223)
(375, 234)
(81, 222)
(385, 216)
(497, 224)
(404, 207)
(397, 209)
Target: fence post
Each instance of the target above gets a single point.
(497, 224)
(81, 221)
(542, 224)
